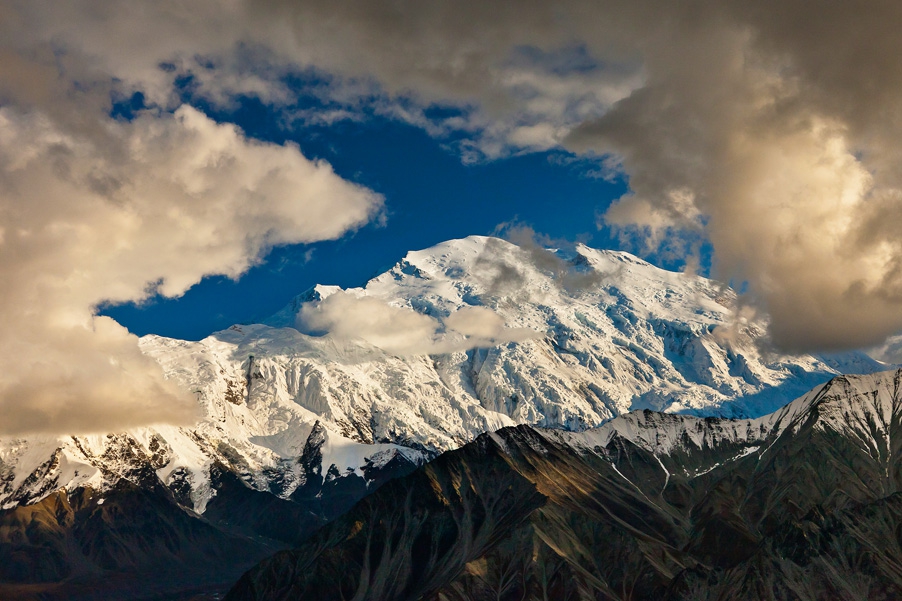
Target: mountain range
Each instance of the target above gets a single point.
(802, 504)
(320, 406)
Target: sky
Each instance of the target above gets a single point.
(430, 196)
(174, 167)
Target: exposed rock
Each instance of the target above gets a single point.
(801, 504)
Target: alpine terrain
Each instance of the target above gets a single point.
(309, 412)
(802, 504)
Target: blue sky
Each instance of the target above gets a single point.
(772, 136)
(431, 195)
(751, 129)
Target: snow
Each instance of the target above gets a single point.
(861, 408)
(613, 334)
(666, 473)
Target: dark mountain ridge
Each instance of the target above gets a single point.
(297, 427)
(802, 504)
(142, 539)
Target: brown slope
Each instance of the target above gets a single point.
(133, 544)
(812, 514)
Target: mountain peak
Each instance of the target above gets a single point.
(608, 334)
(864, 407)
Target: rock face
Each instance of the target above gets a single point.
(801, 504)
(133, 516)
(299, 426)
(611, 334)
(88, 545)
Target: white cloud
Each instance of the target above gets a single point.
(402, 331)
(394, 329)
(151, 205)
(479, 323)
(772, 131)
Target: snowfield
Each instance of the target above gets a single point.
(549, 338)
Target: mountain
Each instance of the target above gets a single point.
(802, 504)
(300, 424)
(129, 509)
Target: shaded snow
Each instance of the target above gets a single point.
(627, 336)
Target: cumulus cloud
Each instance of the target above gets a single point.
(394, 329)
(402, 331)
(141, 207)
(769, 128)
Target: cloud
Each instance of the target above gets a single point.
(141, 207)
(503, 269)
(767, 127)
(480, 324)
(402, 331)
(394, 329)
(82, 380)
(890, 352)
(774, 132)
(518, 74)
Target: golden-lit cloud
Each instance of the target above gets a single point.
(108, 210)
(402, 331)
(770, 128)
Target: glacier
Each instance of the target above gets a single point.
(611, 334)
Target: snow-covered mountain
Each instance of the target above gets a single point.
(587, 335)
(864, 410)
(801, 504)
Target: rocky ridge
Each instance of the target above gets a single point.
(612, 334)
(801, 504)
(300, 424)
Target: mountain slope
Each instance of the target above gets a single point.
(800, 504)
(611, 334)
(300, 424)
(85, 545)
